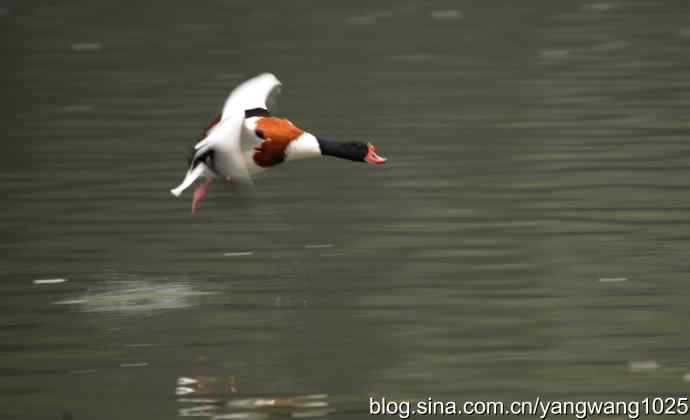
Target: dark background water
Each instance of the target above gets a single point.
(529, 235)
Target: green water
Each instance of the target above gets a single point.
(528, 237)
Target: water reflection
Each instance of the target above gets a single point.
(222, 398)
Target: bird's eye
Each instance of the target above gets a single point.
(260, 134)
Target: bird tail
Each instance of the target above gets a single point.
(189, 179)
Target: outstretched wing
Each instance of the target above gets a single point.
(223, 141)
(257, 92)
(222, 145)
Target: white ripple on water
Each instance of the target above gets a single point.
(135, 296)
(87, 47)
(197, 411)
(553, 54)
(247, 415)
(183, 380)
(184, 390)
(608, 46)
(70, 302)
(77, 108)
(133, 365)
(318, 246)
(50, 281)
(304, 401)
(449, 14)
(643, 365)
(238, 254)
(83, 371)
(369, 18)
(613, 279)
(598, 7)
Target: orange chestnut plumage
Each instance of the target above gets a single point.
(277, 133)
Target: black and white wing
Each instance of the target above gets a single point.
(258, 92)
(223, 142)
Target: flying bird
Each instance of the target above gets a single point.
(246, 119)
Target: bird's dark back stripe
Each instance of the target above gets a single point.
(256, 112)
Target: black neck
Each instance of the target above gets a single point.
(256, 112)
(349, 150)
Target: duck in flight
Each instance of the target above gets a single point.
(246, 119)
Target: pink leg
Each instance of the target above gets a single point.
(199, 194)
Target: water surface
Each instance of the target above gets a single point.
(529, 235)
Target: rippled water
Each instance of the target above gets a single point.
(529, 235)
